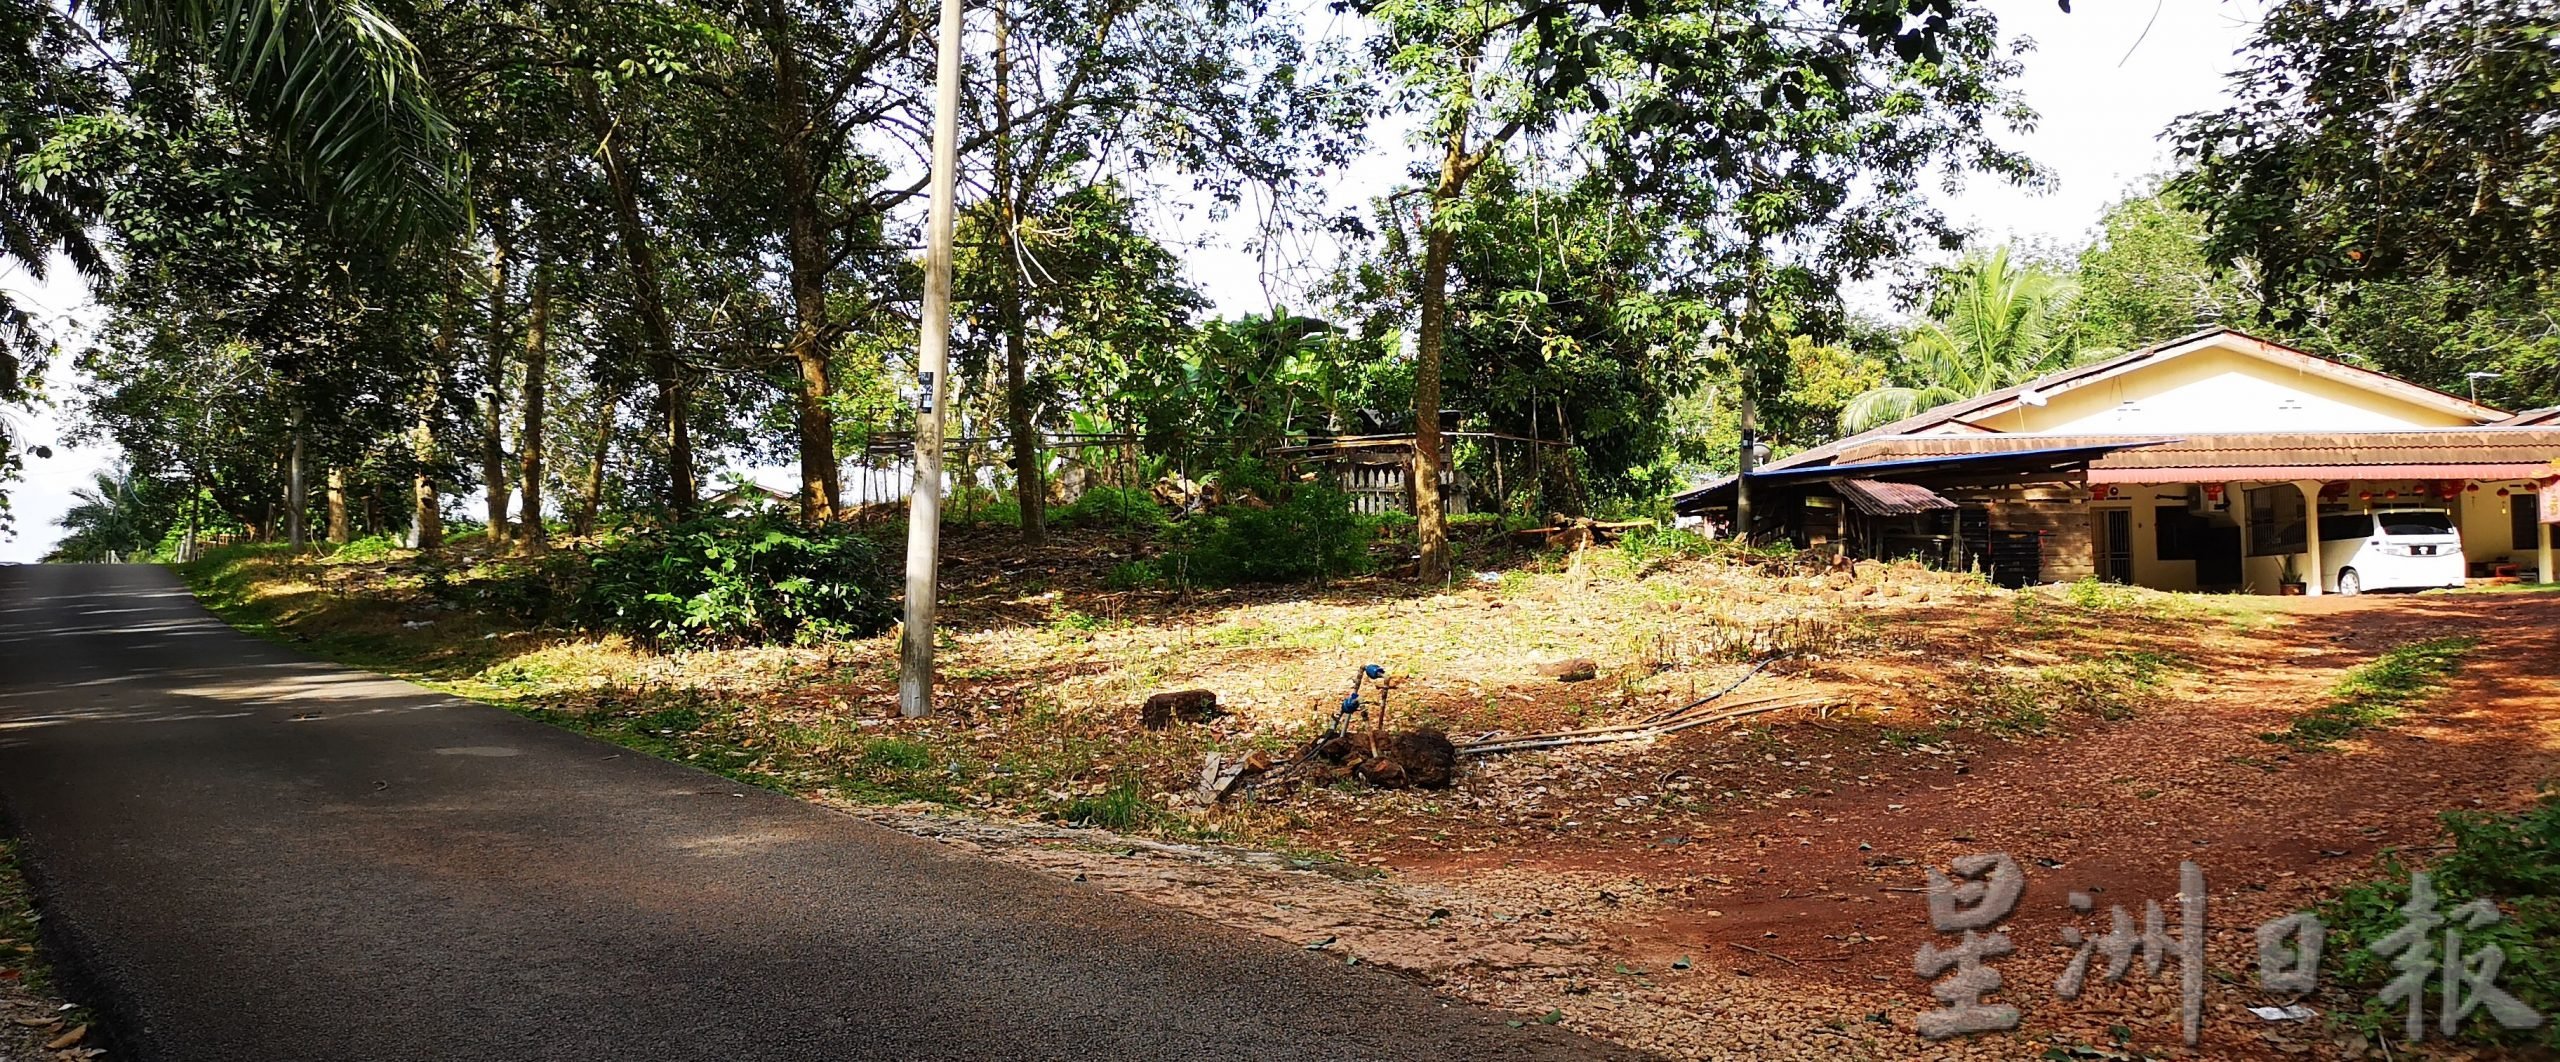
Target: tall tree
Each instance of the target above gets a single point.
(2374, 141)
(1790, 143)
(1123, 95)
(532, 536)
(2388, 172)
(2145, 278)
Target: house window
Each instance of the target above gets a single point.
(2525, 510)
(2181, 533)
(2275, 521)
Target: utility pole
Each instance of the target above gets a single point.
(933, 356)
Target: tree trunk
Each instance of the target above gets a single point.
(533, 536)
(493, 425)
(338, 530)
(426, 518)
(1430, 523)
(640, 259)
(1030, 486)
(297, 502)
(593, 502)
(805, 245)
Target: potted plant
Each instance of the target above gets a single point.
(2289, 584)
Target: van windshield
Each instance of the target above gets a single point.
(2416, 523)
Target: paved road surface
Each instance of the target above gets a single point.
(259, 857)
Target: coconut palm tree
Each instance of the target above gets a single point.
(1996, 323)
(120, 516)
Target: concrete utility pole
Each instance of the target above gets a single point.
(924, 504)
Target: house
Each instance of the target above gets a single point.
(2190, 465)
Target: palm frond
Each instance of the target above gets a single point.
(1880, 406)
(342, 92)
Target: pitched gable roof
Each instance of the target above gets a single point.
(1962, 413)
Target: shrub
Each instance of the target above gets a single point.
(1128, 508)
(1122, 807)
(1648, 548)
(368, 549)
(1132, 575)
(1311, 534)
(980, 507)
(2512, 860)
(759, 579)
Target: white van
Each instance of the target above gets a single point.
(2390, 549)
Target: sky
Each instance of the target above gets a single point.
(2105, 78)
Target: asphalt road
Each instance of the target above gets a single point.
(252, 855)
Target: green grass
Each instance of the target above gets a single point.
(2378, 692)
(2512, 860)
(2012, 704)
(1123, 807)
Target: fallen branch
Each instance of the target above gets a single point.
(1635, 731)
(1771, 954)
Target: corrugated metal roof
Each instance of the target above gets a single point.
(2493, 470)
(1891, 499)
(2039, 463)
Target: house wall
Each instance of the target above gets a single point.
(2486, 522)
(2059, 511)
(2144, 502)
(2217, 389)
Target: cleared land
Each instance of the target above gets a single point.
(1749, 888)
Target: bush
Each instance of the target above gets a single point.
(368, 549)
(1312, 534)
(2512, 860)
(1132, 575)
(760, 579)
(1128, 508)
(980, 507)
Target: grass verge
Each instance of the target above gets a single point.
(2378, 692)
(2509, 859)
(775, 718)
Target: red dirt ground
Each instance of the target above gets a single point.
(1820, 893)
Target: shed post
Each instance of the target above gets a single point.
(2310, 489)
(2542, 550)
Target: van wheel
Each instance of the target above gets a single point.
(2349, 583)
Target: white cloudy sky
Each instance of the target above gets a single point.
(2104, 87)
